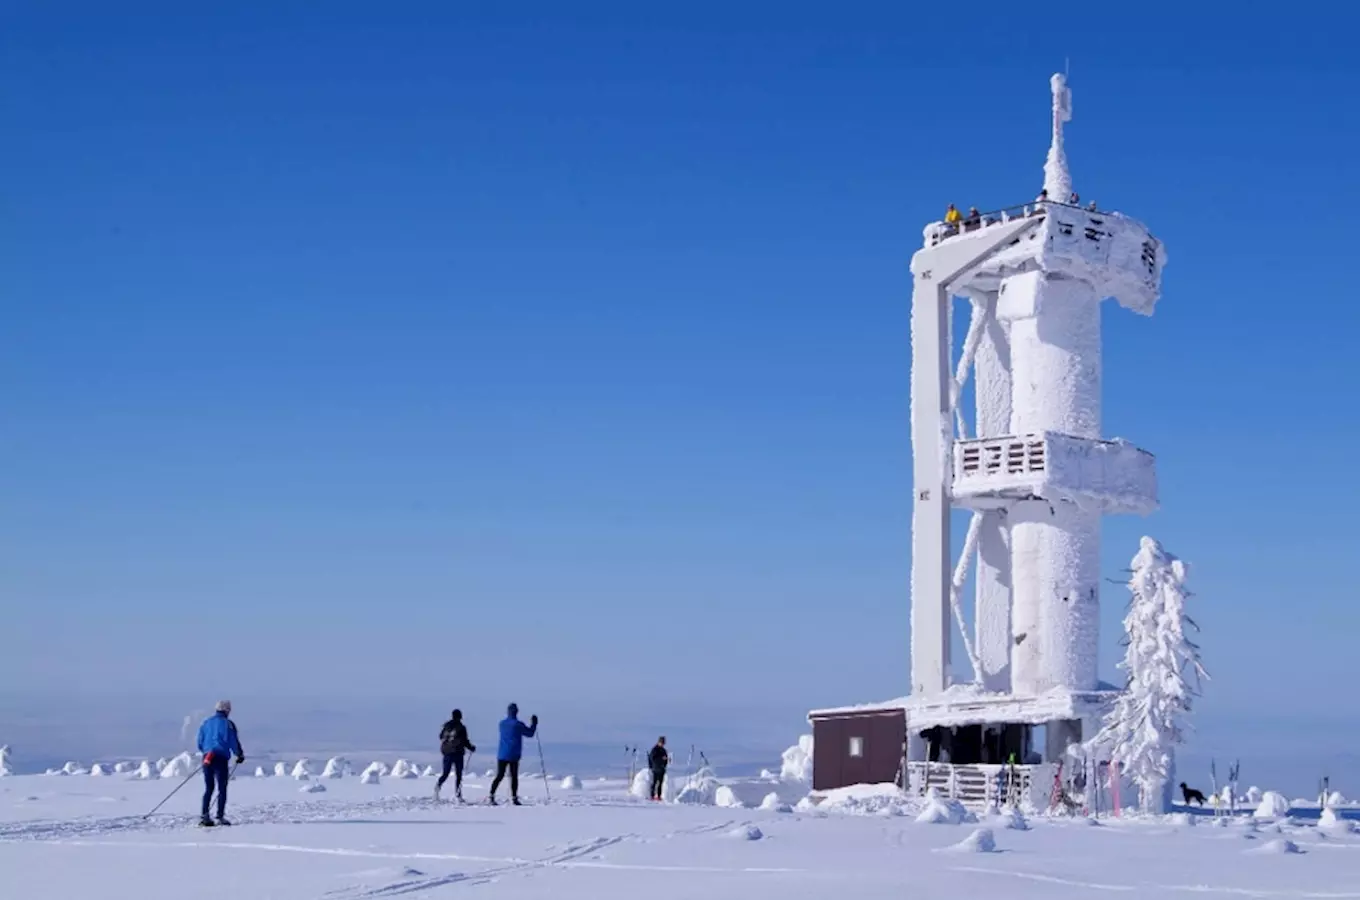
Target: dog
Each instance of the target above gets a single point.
(1190, 794)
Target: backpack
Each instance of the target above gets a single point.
(453, 738)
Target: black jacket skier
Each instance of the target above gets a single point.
(453, 744)
(657, 760)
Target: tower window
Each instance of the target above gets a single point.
(857, 747)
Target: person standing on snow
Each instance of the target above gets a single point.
(658, 759)
(453, 743)
(217, 741)
(513, 733)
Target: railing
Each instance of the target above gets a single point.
(1009, 455)
(980, 784)
(942, 231)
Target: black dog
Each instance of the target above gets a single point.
(1190, 793)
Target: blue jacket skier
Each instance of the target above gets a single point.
(218, 741)
(513, 733)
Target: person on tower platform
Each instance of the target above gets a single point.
(952, 218)
(974, 219)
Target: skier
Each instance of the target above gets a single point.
(453, 743)
(217, 740)
(513, 733)
(658, 759)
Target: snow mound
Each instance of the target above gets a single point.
(161, 763)
(143, 771)
(1011, 819)
(97, 770)
(181, 766)
(312, 787)
(491, 773)
(6, 755)
(1330, 821)
(302, 770)
(642, 784)
(939, 811)
(1253, 795)
(746, 833)
(1181, 820)
(374, 771)
(75, 768)
(727, 798)
(403, 769)
(980, 841)
(1272, 806)
(1335, 798)
(767, 775)
(370, 776)
(797, 761)
(1277, 847)
(774, 804)
(700, 790)
(123, 768)
(280, 770)
(428, 772)
(860, 799)
(260, 772)
(335, 767)
(571, 783)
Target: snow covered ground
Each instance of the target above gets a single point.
(85, 837)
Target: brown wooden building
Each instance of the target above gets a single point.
(860, 745)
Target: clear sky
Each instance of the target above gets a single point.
(559, 352)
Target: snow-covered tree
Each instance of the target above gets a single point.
(1164, 674)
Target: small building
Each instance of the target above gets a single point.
(859, 745)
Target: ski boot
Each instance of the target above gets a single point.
(491, 801)
(515, 801)
(205, 822)
(222, 820)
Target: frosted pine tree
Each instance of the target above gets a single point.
(1164, 674)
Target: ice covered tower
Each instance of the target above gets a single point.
(1035, 472)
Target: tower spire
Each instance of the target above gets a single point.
(1057, 180)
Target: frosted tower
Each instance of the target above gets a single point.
(1035, 472)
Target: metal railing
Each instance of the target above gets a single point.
(942, 230)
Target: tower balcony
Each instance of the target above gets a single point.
(1115, 254)
(1112, 476)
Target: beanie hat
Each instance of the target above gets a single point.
(224, 706)
(513, 709)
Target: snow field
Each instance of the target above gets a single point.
(71, 837)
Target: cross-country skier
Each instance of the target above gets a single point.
(217, 741)
(513, 733)
(658, 759)
(453, 743)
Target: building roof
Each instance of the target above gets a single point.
(969, 704)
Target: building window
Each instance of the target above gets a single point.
(857, 746)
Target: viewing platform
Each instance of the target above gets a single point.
(1111, 475)
(1109, 250)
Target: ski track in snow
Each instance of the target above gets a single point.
(297, 812)
(1181, 888)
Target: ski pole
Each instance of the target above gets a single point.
(174, 792)
(543, 767)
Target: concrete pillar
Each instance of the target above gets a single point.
(992, 583)
(1055, 546)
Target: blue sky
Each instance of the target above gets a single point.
(562, 356)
